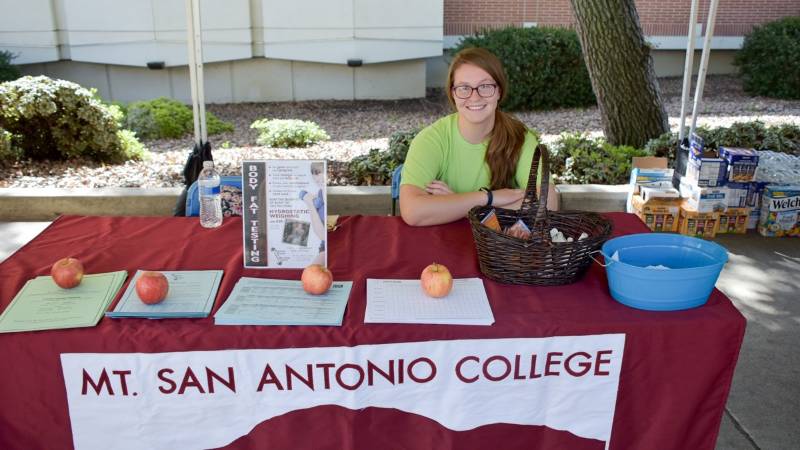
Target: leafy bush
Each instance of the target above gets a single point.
(374, 168)
(769, 61)
(545, 66)
(167, 118)
(399, 143)
(782, 138)
(579, 159)
(133, 148)
(57, 119)
(8, 152)
(288, 132)
(8, 71)
(664, 146)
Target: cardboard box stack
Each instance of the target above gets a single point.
(730, 191)
(652, 196)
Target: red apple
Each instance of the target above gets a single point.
(316, 279)
(67, 272)
(436, 280)
(152, 287)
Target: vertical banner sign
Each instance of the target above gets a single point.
(254, 174)
(285, 212)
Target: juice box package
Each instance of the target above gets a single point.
(733, 221)
(705, 199)
(741, 163)
(754, 196)
(696, 143)
(659, 213)
(752, 220)
(737, 195)
(780, 211)
(706, 169)
(648, 172)
(697, 224)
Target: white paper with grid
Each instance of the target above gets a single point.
(404, 301)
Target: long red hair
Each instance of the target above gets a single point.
(508, 133)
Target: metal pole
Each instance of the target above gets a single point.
(687, 70)
(190, 42)
(198, 61)
(701, 77)
(196, 84)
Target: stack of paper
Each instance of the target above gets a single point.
(257, 301)
(41, 305)
(403, 301)
(191, 294)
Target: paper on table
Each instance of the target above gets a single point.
(191, 294)
(403, 301)
(41, 305)
(257, 301)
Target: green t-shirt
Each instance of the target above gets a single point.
(439, 152)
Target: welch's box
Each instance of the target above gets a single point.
(780, 211)
(741, 163)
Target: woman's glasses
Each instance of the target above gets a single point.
(484, 90)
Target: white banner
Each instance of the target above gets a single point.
(210, 398)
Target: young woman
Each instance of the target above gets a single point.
(477, 156)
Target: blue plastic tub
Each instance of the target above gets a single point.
(694, 266)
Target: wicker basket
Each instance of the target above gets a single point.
(537, 261)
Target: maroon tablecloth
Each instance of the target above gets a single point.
(676, 371)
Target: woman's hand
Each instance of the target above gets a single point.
(438, 187)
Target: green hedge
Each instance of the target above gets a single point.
(545, 66)
(57, 119)
(769, 61)
(167, 118)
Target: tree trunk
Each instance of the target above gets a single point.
(621, 70)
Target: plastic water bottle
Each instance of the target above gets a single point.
(210, 199)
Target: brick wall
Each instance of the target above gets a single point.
(657, 17)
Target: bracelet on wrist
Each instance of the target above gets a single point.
(489, 195)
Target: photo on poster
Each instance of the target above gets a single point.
(284, 206)
(296, 232)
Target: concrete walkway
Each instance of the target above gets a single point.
(763, 280)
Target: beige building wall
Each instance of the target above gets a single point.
(253, 50)
(252, 80)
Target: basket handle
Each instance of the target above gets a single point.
(608, 260)
(530, 190)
